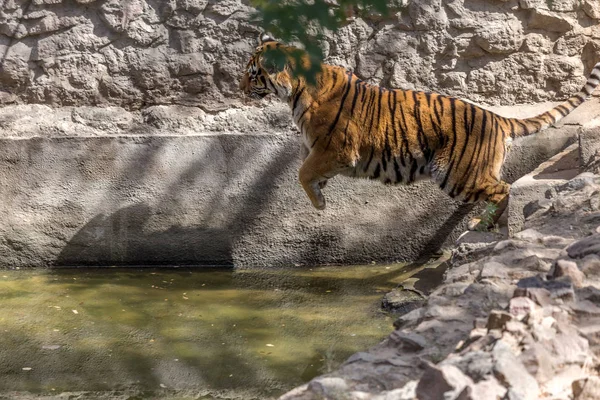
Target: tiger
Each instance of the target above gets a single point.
(352, 128)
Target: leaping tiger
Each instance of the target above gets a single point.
(352, 128)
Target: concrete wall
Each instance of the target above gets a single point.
(212, 199)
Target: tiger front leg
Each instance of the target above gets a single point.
(304, 152)
(313, 175)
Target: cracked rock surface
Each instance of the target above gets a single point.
(139, 53)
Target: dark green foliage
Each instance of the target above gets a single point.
(487, 217)
(305, 21)
(275, 60)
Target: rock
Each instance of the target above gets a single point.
(557, 289)
(409, 340)
(467, 251)
(590, 266)
(565, 5)
(518, 329)
(442, 382)
(520, 307)
(427, 14)
(362, 356)
(408, 392)
(498, 319)
(578, 183)
(494, 270)
(591, 8)
(568, 348)
(402, 301)
(589, 293)
(569, 269)
(562, 383)
(587, 389)
(489, 388)
(480, 323)
(542, 328)
(533, 4)
(445, 313)
(513, 375)
(450, 290)
(586, 246)
(540, 296)
(474, 240)
(556, 242)
(536, 43)
(538, 362)
(409, 319)
(476, 364)
(529, 235)
(500, 37)
(585, 307)
(510, 244)
(463, 273)
(551, 21)
(329, 387)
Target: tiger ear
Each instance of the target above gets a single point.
(264, 38)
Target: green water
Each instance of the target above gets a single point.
(186, 333)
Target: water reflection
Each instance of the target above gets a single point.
(253, 334)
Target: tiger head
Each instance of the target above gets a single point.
(262, 77)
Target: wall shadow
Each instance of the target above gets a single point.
(129, 236)
(120, 239)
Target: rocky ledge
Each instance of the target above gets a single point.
(514, 319)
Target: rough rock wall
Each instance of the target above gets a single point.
(134, 53)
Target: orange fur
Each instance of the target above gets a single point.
(356, 129)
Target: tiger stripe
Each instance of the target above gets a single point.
(398, 136)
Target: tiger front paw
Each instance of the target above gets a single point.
(477, 224)
(319, 204)
(473, 224)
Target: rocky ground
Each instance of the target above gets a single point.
(514, 319)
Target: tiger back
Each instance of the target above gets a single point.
(356, 129)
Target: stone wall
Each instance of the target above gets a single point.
(126, 141)
(134, 53)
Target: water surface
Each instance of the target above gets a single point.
(186, 333)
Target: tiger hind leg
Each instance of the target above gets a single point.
(497, 194)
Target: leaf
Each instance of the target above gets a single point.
(306, 21)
